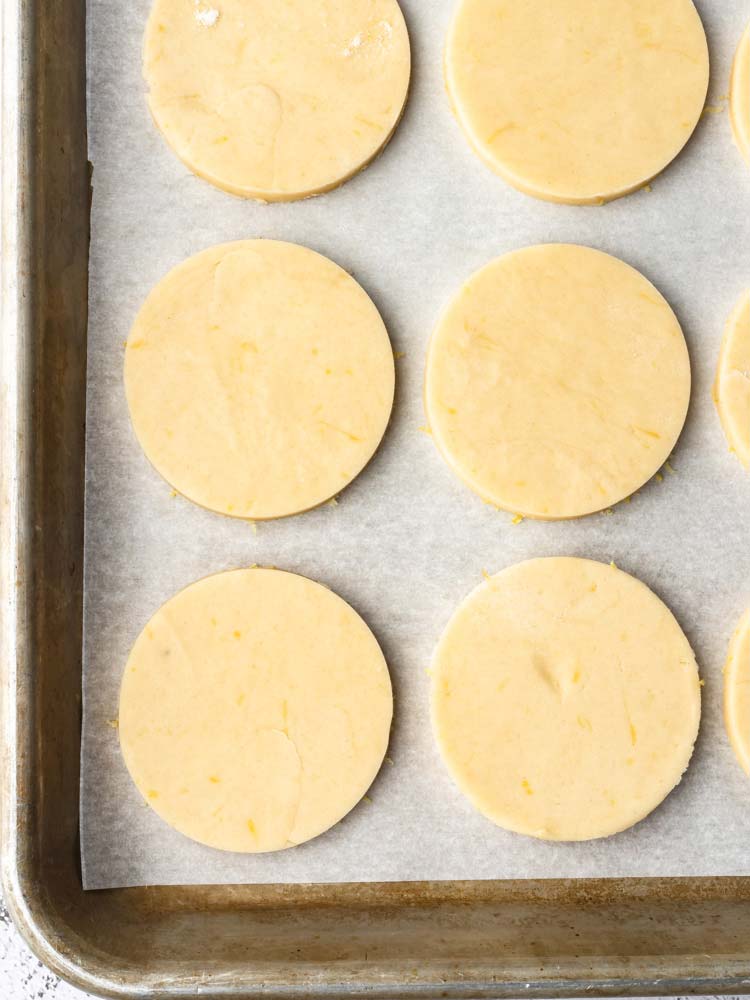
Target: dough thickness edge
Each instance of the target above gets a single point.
(739, 735)
(364, 787)
(275, 197)
(264, 197)
(227, 248)
(516, 182)
(459, 780)
(445, 452)
(733, 440)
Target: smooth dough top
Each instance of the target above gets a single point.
(565, 699)
(739, 100)
(737, 693)
(577, 101)
(732, 385)
(276, 100)
(259, 377)
(255, 710)
(558, 381)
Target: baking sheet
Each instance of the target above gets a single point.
(407, 541)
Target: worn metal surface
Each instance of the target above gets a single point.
(634, 937)
(25, 978)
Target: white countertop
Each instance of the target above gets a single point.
(22, 977)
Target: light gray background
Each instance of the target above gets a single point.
(408, 540)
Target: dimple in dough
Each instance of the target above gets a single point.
(578, 101)
(565, 699)
(737, 693)
(259, 377)
(739, 97)
(255, 710)
(276, 100)
(732, 384)
(557, 382)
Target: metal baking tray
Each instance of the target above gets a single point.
(487, 939)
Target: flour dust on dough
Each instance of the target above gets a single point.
(255, 710)
(276, 100)
(575, 101)
(565, 699)
(259, 377)
(557, 382)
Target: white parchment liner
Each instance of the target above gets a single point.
(408, 541)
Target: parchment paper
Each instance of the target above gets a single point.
(408, 541)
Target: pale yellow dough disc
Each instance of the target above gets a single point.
(557, 382)
(739, 100)
(259, 377)
(737, 693)
(276, 99)
(732, 385)
(565, 699)
(255, 710)
(577, 101)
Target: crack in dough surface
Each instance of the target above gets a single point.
(576, 101)
(277, 101)
(255, 710)
(561, 723)
(557, 381)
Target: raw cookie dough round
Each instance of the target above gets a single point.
(581, 101)
(255, 710)
(565, 699)
(276, 100)
(739, 99)
(732, 385)
(737, 693)
(558, 381)
(259, 377)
